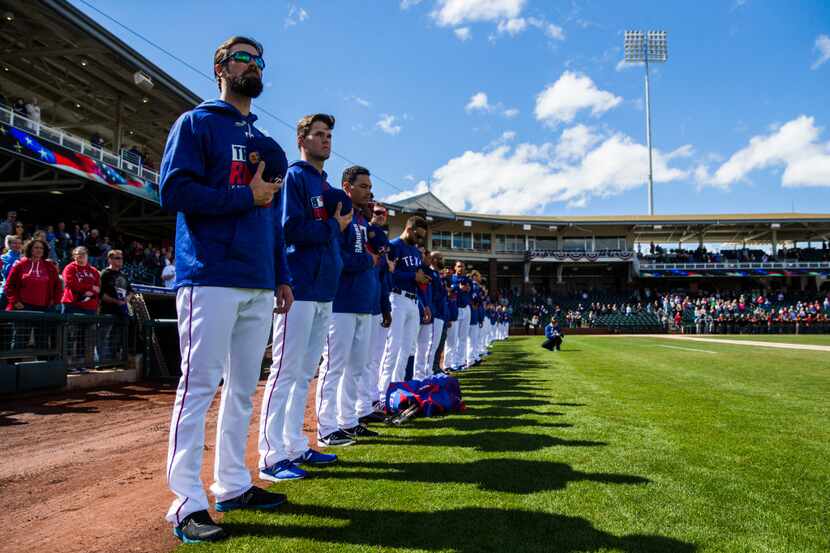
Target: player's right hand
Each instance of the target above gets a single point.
(421, 277)
(262, 190)
(343, 220)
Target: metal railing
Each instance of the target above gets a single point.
(81, 341)
(126, 161)
(726, 265)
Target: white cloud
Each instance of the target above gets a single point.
(410, 178)
(510, 113)
(572, 93)
(478, 102)
(823, 47)
(622, 65)
(463, 33)
(295, 15)
(359, 101)
(795, 146)
(457, 12)
(516, 25)
(419, 188)
(508, 136)
(527, 177)
(406, 4)
(387, 124)
(512, 26)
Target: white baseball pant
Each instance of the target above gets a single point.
(420, 369)
(472, 344)
(368, 385)
(222, 334)
(435, 339)
(345, 356)
(400, 341)
(298, 343)
(452, 338)
(456, 349)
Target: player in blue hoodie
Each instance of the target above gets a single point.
(404, 298)
(312, 238)
(430, 331)
(346, 352)
(455, 354)
(230, 262)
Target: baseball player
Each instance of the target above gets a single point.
(457, 343)
(312, 239)
(368, 406)
(346, 351)
(450, 332)
(426, 329)
(230, 261)
(430, 333)
(406, 277)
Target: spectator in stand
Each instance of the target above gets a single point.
(82, 284)
(33, 113)
(7, 226)
(97, 140)
(78, 237)
(20, 231)
(116, 289)
(13, 247)
(33, 282)
(168, 274)
(19, 108)
(93, 245)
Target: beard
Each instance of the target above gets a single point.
(249, 85)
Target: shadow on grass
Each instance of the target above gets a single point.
(469, 424)
(486, 441)
(501, 475)
(485, 410)
(464, 530)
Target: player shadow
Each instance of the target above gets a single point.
(487, 410)
(487, 441)
(65, 403)
(461, 423)
(506, 403)
(477, 394)
(517, 476)
(462, 530)
(569, 404)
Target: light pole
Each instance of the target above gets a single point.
(648, 47)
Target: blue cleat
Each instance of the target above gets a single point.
(254, 498)
(198, 527)
(282, 471)
(315, 459)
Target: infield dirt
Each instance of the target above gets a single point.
(84, 472)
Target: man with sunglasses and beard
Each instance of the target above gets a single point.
(230, 263)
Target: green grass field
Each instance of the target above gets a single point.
(613, 444)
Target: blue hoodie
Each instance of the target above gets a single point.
(222, 238)
(9, 259)
(312, 239)
(463, 297)
(359, 284)
(381, 302)
(439, 296)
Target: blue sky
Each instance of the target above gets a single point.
(523, 106)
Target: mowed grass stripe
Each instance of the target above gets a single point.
(609, 445)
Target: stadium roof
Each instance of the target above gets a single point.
(84, 76)
(728, 227)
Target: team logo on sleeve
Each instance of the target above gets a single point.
(240, 175)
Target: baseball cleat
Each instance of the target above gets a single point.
(360, 431)
(336, 438)
(282, 471)
(315, 458)
(198, 527)
(254, 498)
(371, 417)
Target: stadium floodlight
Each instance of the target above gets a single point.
(645, 48)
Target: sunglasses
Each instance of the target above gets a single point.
(116, 258)
(245, 57)
(379, 212)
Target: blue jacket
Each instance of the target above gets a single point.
(312, 239)
(408, 260)
(425, 296)
(381, 302)
(222, 238)
(452, 301)
(439, 296)
(463, 297)
(359, 284)
(475, 303)
(552, 329)
(9, 259)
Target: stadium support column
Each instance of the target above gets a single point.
(492, 285)
(526, 279)
(560, 267)
(119, 124)
(774, 243)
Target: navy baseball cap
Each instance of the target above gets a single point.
(265, 148)
(332, 196)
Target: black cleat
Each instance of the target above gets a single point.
(372, 417)
(336, 438)
(199, 527)
(254, 498)
(360, 431)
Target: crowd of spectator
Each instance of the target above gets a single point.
(144, 262)
(658, 254)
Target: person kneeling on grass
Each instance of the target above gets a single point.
(553, 335)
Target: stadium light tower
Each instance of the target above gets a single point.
(651, 47)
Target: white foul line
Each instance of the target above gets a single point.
(686, 349)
